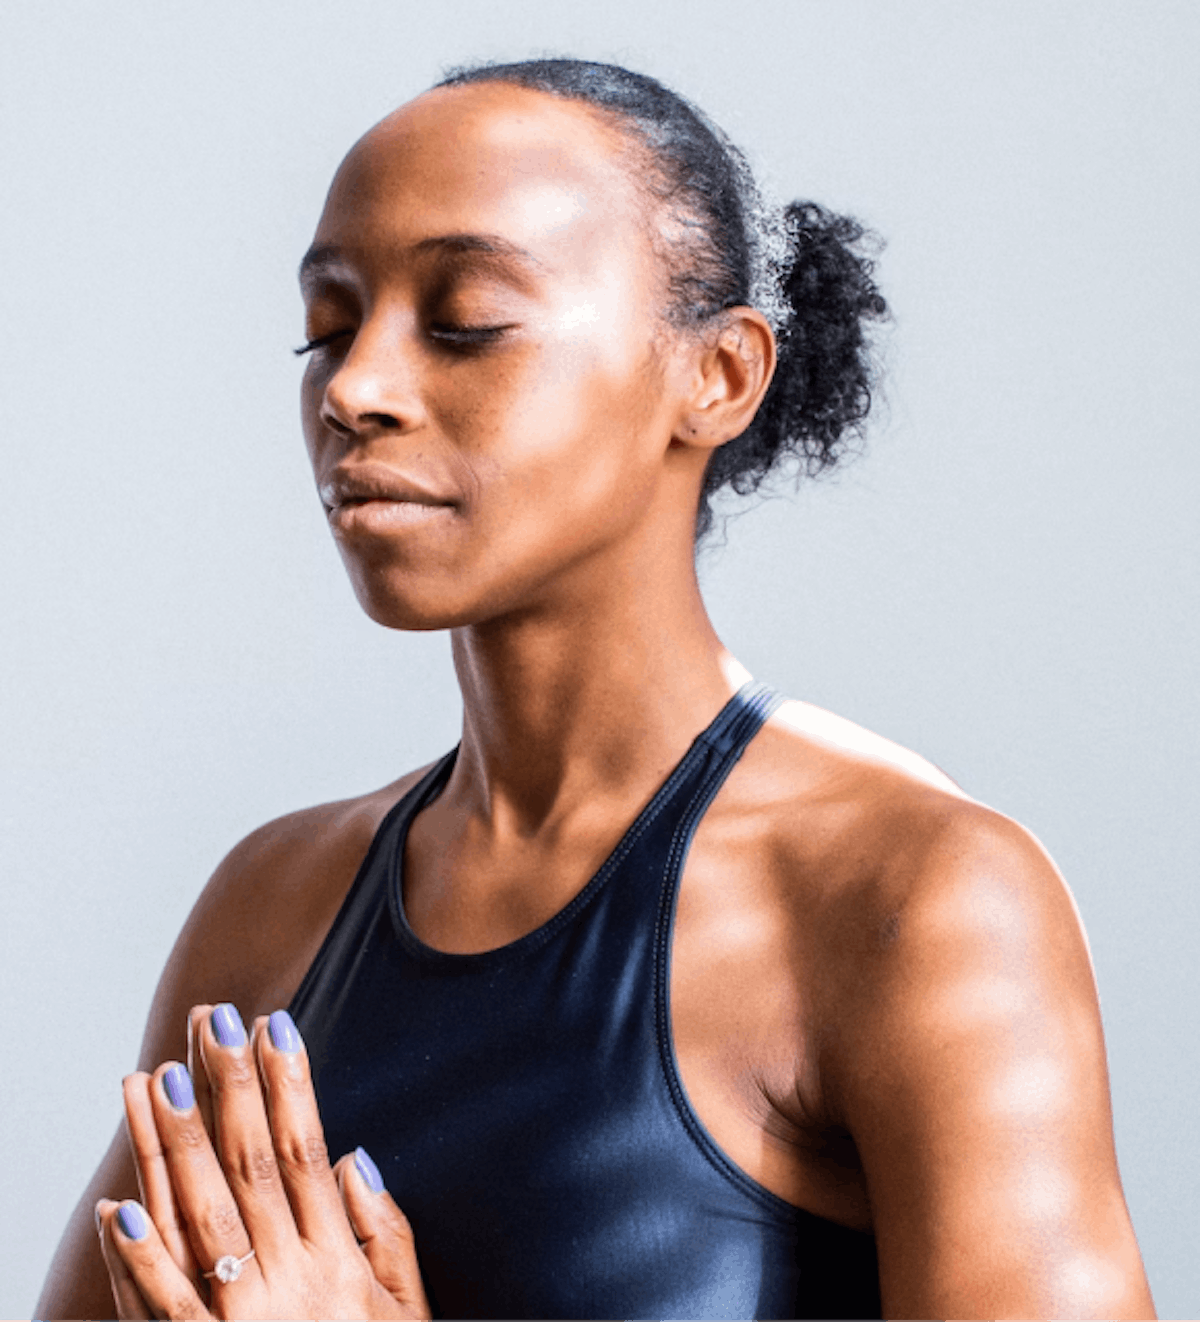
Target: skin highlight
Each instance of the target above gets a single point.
(570, 405)
(881, 999)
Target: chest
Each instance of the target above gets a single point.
(525, 1106)
(740, 953)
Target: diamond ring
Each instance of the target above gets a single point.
(229, 1268)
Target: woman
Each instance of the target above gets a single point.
(656, 997)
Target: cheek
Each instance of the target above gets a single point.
(573, 419)
(565, 476)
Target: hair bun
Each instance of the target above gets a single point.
(802, 267)
(821, 391)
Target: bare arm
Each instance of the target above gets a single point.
(250, 938)
(970, 1069)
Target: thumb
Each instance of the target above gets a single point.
(383, 1230)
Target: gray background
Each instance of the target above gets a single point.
(1006, 582)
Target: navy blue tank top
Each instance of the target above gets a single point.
(525, 1107)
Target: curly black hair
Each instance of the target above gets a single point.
(806, 269)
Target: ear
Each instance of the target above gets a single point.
(731, 374)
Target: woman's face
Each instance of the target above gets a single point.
(490, 404)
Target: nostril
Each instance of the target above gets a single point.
(361, 422)
(388, 420)
(335, 424)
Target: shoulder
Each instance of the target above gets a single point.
(924, 921)
(898, 846)
(955, 1032)
(260, 919)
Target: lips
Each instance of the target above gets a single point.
(374, 500)
(363, 483)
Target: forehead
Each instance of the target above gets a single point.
(545, 173)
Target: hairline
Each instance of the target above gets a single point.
(640, 151)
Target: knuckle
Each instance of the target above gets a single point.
(256, 1168)
(290, 1078)
(191, 1137)
(221, 1221)
(180, 1307)
(305, 1153)
(236, 1073)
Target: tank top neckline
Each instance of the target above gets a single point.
(537, 1085)
(720, 733)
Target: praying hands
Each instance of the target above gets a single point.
(241, 1213)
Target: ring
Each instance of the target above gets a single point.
(229, 1268)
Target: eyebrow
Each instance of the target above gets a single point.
(496, 250)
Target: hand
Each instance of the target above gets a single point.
(266, 1190)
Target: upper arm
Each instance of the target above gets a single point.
(254, 928)
(260, 921)
(970, 1069)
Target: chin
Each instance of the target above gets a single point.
(402, 596)
(399, 596)
(412, 611)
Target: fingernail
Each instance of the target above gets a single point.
(177, 1084)
(133, 1221)
(368, 1170)
(227, 1026)
(284, 1036)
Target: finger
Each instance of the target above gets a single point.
(132, 1239)
(196, 1015)
(387, 1238)
(298, 1135)
(126, 1295)
(206, 1204)
(158, 1197)
(243, 1136)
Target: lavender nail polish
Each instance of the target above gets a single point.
(133, 1221)
(227, 1026)
(177, 1084)
(368, 1170)
(284, 1034)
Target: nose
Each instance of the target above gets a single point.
(372, 389)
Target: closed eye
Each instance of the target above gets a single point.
(466, 336)
(458, 336)
(321, 341)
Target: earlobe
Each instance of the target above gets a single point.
(734, 372)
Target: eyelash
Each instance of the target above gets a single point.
(466, 337)
(455, 337)
(321, 341)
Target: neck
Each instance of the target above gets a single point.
(571, 703)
